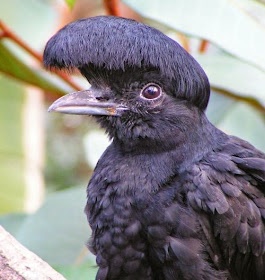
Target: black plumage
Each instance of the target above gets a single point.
(172, 197)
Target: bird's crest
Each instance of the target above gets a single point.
(116, 43)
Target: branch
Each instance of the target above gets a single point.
(7, 33)
(112, 7)
(17, 262)
(203, 46)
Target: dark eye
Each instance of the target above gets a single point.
(151, 92)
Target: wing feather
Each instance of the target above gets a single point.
(229, 185)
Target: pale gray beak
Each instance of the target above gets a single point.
(86, 102)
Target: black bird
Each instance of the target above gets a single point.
(172, 197)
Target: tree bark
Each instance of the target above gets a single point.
(18, 263)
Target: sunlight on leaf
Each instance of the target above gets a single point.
(226, 23)
(233, 75)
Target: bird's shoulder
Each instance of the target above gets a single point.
(229, 185)
(233, 170)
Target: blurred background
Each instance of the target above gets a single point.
(46, 159)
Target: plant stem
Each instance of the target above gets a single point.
(112, 7)
(203, 46)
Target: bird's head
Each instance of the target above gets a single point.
(144, 86)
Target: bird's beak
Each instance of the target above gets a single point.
(86, 102)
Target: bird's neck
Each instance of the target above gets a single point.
(146, 165)
(175, 148)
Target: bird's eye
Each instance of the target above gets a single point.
(151, 91)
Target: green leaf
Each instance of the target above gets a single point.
(16, 68)
(70, 3)
(219, 105)
(236, 26)
(58, 231)
(13, 186)
(13, 222)
(246, 123)
(228, 73)
(84, 272)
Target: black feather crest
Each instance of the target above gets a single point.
(115, 43)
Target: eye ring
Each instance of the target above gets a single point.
(151, 92)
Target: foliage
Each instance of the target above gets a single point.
(235, 26)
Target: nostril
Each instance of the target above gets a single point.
(102, 98)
